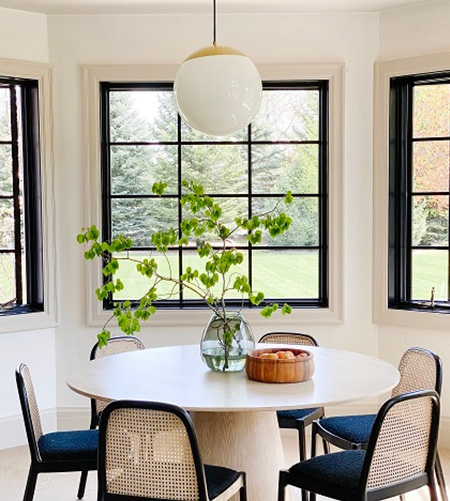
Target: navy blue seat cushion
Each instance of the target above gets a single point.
(295, 413)
(218, 479)
(69, 446)
(355, 429)
(333, 475)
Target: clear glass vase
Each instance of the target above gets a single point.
(226, 342)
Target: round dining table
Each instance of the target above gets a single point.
(234, 417)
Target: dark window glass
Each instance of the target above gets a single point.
(419, 252)
(21, 270)
(285, 148)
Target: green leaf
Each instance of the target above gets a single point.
(158, 188)
(286, 309)
(103, 338)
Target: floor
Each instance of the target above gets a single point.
(14, 465)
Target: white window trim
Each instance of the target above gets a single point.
(334, 73)
(47, 318)
(384, 71)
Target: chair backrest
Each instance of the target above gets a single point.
(289, 338)
(118, 344)
(149, 450)
(30, 410)
(402, 446)
(420, 369)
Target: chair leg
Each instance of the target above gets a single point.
(243, 489)
(31, 484)
(313, 439)
(302, 449)
(282, 482)
(433, 489)
(82, 485)
(326, 448)
(440, 478)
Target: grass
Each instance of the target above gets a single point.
(280, 274)
(287, 274)
(430, 269)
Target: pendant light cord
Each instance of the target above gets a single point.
(215, 22)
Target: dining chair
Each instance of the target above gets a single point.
(116, 344)
(149, 451)
(60, 451)
(399, 456)
(420, 369)
(297, 418)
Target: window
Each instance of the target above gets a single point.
(21, 268)
(419, 252)
(285, 148)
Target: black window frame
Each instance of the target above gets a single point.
(401, 194)
(29, 148)
(323, 179)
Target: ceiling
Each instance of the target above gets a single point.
(199, 6)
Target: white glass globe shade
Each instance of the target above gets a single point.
(218, 94)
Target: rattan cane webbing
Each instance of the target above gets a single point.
(32, 403)
(114, 346)
(287, 338)
(402, 446)
(148, 454)
(417, 372)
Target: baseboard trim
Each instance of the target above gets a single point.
(12, 431)
(73, 418)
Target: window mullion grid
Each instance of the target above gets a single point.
(448, 222)
(106, 178)
(323, 197)
(409, 189)
(179, 206)
(250, 202)
(16, 194)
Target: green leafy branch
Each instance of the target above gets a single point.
(219, 263)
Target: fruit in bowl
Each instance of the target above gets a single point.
(280, 365)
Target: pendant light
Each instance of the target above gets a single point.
(217, 89)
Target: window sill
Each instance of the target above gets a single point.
(15, 322)
(417, 318)
(199, 317)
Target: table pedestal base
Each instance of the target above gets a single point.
(244, 441)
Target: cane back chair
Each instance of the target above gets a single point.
(298, 419)
(115, 345)
(149, 451)
(420, 369)
(399, 456)
(60, 451)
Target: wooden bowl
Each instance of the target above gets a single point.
(281, 370)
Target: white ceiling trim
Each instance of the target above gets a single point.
(204, 6)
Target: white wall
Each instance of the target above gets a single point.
(24, 36)
(407, 33)
(168, 39)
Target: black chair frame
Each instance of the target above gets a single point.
(37, 465)
(344, 444)
(299, 424)
(95, 415)
(187, 422)
(399, 488)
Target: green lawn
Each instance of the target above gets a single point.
(281, 274)
(430, 269)
(285, 274)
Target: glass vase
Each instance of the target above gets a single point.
(226, 340)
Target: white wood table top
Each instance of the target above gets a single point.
(177, 375)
